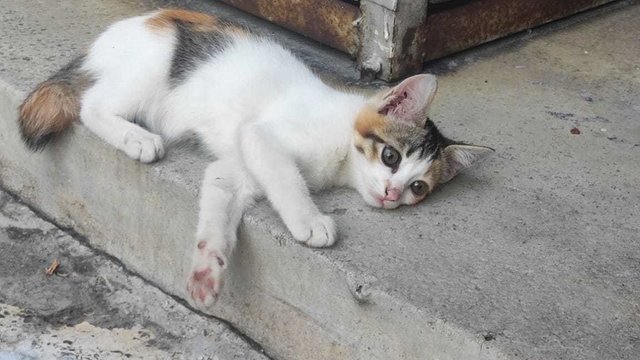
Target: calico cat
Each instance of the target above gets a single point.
(277, 130)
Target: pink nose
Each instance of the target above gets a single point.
(392, 194)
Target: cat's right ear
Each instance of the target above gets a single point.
(410, 100)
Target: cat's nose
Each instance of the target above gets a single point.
(392, 194)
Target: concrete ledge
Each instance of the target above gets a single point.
(533, 254)
(146, 216)
(276, 289)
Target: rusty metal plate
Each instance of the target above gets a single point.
(331, 22)
(481, 21)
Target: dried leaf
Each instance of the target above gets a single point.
(53, 267)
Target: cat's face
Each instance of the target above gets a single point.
(401, 156)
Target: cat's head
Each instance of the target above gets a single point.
(401, 155)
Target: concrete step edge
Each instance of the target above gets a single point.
(293, 300)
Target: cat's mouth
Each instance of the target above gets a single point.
(388, 205)
(381, 202)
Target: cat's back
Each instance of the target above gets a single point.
(177, 43)
(129, 44)
(251, 67)
(176, 47)
(170, 43)
(178, 70)
(225, 75)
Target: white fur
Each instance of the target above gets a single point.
(276, 128)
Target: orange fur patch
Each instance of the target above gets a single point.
(166, 19)
(366, 147)
(236, 30)
(49, 109)
(369, 122)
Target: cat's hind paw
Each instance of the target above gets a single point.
(322, 232)
(143, 146)
(205, 279)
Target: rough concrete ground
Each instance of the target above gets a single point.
(534, 252)
(91, 308)
(537, 249)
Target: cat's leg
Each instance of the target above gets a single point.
(277, 174)
(224, 197)
(100, 116)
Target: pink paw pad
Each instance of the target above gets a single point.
(205, 279)
(203, 284)
(199, 275)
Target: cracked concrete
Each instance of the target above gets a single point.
(91, 308)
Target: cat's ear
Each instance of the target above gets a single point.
(410, 100)
(459, 157)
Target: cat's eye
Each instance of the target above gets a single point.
(419, 188)
(390, 156)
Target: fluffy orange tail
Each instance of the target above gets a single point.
(52, 106)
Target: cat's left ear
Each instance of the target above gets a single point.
(459, 157)
(410, 100)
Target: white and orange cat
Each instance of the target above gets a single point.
(277, 130)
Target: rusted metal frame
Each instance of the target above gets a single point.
(331, 22)
(477, 22)
(392, 38)
(390, 47)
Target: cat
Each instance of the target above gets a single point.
(276, 129)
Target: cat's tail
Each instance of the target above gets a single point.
(53, 105)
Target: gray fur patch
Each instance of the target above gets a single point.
(73, 76)
(427, 140)
(194, 48)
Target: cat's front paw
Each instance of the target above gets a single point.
(320, 231)
(205, 279)
(143, 146)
